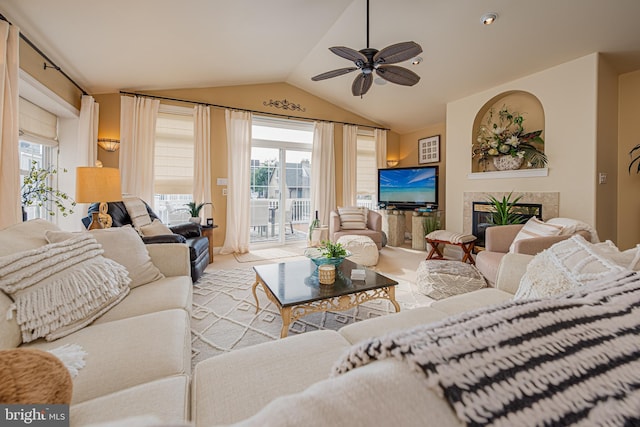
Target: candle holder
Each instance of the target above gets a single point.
(327, 274)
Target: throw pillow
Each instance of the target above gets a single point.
(535, 228)
(61, 287)
(353, 218)
(124, 246)
(156, 228)
(24, 235)
(567, 265)
(137, 211)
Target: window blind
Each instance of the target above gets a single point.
(173, 167)
(37, 124)
(366, 175)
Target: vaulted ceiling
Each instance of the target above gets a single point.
(114, 45)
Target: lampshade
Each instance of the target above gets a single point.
(109, 144)
(94, 184)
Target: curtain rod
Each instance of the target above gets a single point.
(42, 54)
(288, 116)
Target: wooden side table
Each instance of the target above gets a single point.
(207, 230)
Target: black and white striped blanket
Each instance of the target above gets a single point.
(569, 360)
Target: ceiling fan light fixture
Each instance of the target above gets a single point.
(417, 60)
(489, 18)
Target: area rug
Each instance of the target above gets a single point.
(224, 314)
(266, 254)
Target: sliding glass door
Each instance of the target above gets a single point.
(280, 183)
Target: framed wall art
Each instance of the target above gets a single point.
(429, 149)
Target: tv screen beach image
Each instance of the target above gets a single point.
(413, 185)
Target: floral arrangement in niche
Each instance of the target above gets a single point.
(504, 135)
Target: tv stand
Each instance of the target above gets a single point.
(393, 225)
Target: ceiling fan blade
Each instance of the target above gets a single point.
(333, 73)
(398, 75)
(348, 53)
(397, 53)
(361, 84)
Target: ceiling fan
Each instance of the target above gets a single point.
(369, 60)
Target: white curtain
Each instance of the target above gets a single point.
(88, 131)
(202, 157)
(323, 180)
(239, 181)
(10, 211)
(138, 117)
(380, 137)
(350, 159)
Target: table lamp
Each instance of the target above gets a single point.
(97, 184)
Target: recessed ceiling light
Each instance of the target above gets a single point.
(416, 60)
(489, 18)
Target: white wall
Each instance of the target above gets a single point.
(568, 94)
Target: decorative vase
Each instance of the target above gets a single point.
(195, 219)
(507, 162)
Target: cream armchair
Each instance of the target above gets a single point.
(373, 230)
(498, 239)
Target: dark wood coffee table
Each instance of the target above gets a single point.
(294, 289)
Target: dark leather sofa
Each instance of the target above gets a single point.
(189, 233)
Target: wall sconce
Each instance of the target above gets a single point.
(392, 163)
(109, 144)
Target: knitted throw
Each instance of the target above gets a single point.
(568, 360)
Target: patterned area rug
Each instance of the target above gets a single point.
(224, 313)
(265, 254)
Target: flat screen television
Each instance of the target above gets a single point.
(408, 188)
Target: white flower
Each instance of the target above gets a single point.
(520, 154)
(529, 164)
(513, 141)
(498, 130)
(504, 148)
(493, 152)
(493, 144)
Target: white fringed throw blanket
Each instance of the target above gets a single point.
(61, 287)
(569, 360)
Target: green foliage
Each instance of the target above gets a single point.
(37, 190)
(635, 159)
(430, 223)
(503, 210)
(332, 250)
(194, 209)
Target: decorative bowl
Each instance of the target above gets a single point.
(315, 255)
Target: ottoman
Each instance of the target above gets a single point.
(364, 250)
(439, 279)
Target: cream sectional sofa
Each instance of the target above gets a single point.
(287, 382)
(138, 354)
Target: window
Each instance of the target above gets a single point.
(173, 164)
(38, 146)
(366, 171)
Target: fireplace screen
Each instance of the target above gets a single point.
(482, 212)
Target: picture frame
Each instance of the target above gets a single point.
(429, 149)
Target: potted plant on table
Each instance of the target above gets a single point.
(505, 142)
(328, 253)
(194, 210)
(37, 190)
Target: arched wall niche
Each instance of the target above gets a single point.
(519, 101)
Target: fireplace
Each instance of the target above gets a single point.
(482, 211)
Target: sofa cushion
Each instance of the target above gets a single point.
(569, 264)
(61, 287)
(164, 294)
(128, 352)
(535, 228)
(471, 300)
(166, 400)
(124, 246)
(353, 218)
(233, 386)
(24, 236)
(156, 228)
